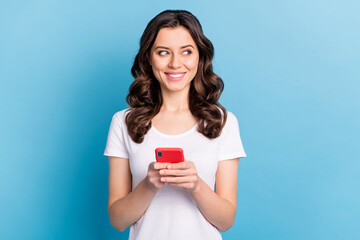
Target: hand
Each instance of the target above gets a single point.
(182, 175)
(153, 176)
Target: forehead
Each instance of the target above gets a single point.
(173, 37)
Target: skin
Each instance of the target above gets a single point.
(126, 206)
(174, 50)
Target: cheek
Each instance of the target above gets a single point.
(192, 63)
(157, 66)
(158, 63)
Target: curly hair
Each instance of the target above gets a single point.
(145, 98)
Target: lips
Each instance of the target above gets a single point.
(175, 76)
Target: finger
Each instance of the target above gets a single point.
(177, 172)
(182, 185)
(187, 179)
(181, 165)
(160, 165)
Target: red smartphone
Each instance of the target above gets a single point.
(169, 155)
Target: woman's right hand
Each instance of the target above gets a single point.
(153, 175)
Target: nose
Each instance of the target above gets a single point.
(175, 61)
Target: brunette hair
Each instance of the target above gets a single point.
(145, 98)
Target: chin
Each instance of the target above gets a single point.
(177, 88)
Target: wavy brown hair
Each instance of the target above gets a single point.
(145, 98)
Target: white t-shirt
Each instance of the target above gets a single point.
(173, 214)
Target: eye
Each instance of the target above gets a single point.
(162, 53)
(187, 52)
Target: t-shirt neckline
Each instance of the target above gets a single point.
(187, 132)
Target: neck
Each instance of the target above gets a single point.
(175, 101)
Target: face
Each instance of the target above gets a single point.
(174, 58)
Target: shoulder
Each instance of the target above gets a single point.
(119, 117)
(231, 119)
(121, 114)
(231, 125)
(230, 116)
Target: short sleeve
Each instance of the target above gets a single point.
(116, 140)
(230, 142)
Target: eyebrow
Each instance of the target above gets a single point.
(189, 45)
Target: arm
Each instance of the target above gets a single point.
(218, 207)
(125, 206)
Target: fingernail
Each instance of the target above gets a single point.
(162, 179)
(161, 171)
(169, 166)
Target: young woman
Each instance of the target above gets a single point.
(174, 103)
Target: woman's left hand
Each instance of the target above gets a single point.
(182, 175)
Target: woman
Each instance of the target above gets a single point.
(173, 103)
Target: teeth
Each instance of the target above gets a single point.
(175, 75)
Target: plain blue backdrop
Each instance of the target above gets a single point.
(292, 78)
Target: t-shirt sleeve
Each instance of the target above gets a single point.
(116, 145)
(230, 142)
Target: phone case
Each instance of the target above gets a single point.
(169, 155)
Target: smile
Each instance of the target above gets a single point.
(175, 76)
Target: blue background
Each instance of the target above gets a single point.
(291, 73)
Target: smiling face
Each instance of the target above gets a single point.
(174, 59)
